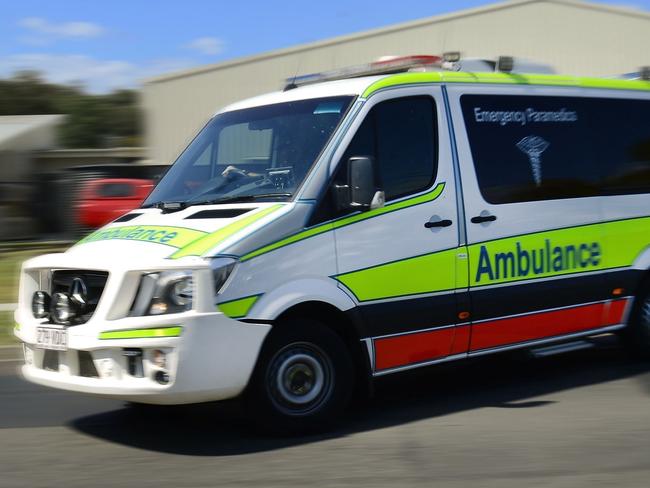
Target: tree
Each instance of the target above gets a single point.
(93, 120)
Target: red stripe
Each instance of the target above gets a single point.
(391, 352)
(545, 324)
(616, 312)
(461, 340)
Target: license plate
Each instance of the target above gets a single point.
(50, 338)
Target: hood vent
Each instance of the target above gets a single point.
(219, 213)
(127, 217)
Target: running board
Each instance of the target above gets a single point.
(542, 352)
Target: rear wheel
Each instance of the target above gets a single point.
(636, 335)
(303, 379)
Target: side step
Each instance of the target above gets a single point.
(542, 352)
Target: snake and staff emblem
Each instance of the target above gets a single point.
(534, 146)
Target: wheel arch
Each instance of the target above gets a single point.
(642, 265)
(642, 261)
(641, 286)
(346, 324)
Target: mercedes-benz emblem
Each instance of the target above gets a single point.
(78, 290)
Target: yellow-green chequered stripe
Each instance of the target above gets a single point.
(504, 78)
(320, 229)
(618, 243)
(418, 275)
(237, 309)
(206, 242)
(177, 237)
(175, 331)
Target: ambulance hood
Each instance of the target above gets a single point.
(150, 234)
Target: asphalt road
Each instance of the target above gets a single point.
(580, 419)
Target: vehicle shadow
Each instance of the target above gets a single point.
(504, 381)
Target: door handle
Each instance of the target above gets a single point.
(479, 219)
(438, 223)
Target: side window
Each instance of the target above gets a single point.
(401, 135)
(540, 148)
(530, 148)
(623, 138)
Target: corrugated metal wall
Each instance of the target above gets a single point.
(575, 37)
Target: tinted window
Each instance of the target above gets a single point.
(400, 134)
(623, 140)
(529, 148)
(537, 148)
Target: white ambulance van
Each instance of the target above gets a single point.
(309, 240)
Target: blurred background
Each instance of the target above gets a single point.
(97, 99)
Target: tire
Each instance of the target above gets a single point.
(303, 379)
(636, 336)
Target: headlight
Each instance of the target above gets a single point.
(181, 292)
(66, 309)
(164, 292)
(40, 304)
(222, 268)
(61, 308)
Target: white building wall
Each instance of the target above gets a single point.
(576, 37)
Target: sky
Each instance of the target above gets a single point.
(116, 44)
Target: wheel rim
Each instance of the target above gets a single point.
(299, 378)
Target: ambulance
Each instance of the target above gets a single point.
(357, 224)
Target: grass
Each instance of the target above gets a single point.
(7, 328)
(10, 260)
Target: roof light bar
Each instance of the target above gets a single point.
(385, 65)
(644, 73)
(451, 56)
(505, 64)
(449, 61)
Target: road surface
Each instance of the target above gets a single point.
(580, 419)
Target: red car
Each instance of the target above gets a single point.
(102, 201)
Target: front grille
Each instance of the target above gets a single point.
(94, 283)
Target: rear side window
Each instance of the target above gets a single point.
(538, 148)
(401, 136)
(623, 141)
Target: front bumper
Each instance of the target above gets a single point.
(212, 357)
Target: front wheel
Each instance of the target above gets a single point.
(303, 379)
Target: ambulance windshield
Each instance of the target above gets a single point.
(260, 153)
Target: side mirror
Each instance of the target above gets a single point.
(361, 177)
(361, 191)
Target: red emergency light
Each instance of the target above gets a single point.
(384, 65)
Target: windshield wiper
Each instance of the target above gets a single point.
(169, 207)
(239, 198)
